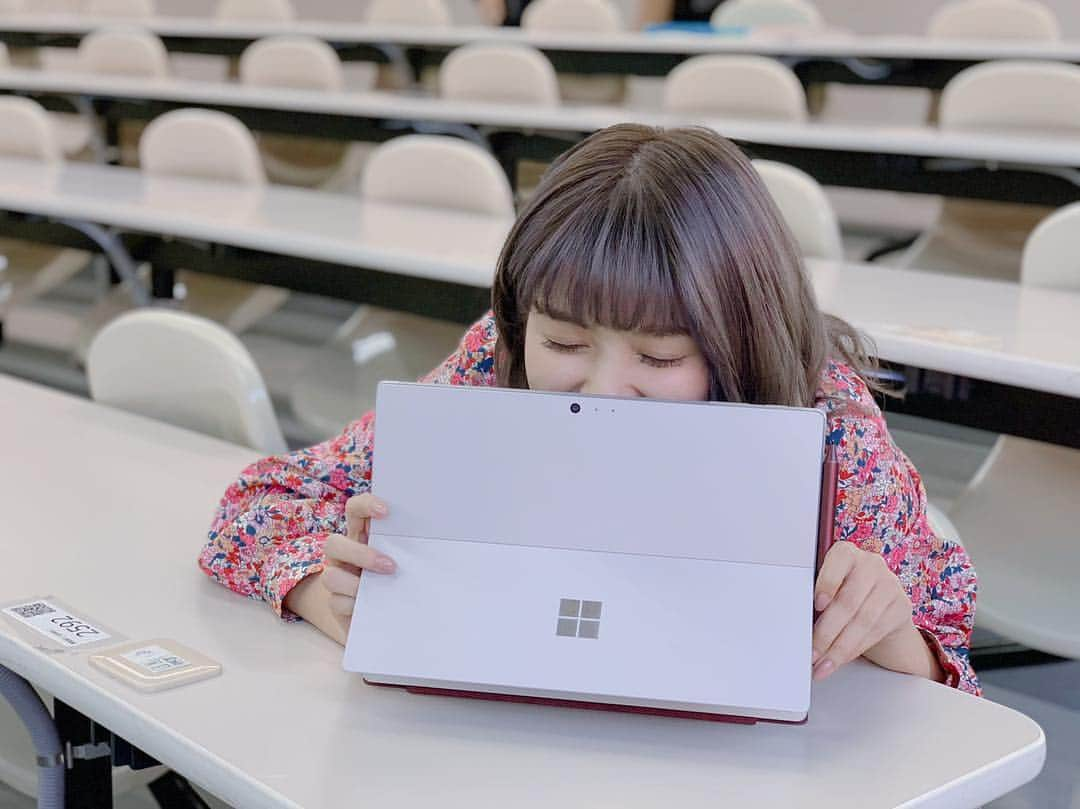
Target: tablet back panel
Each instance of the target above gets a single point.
(637, 551)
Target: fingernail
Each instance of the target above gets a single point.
(384, 564)
(379, 508)
(823, 669)
(821, 602)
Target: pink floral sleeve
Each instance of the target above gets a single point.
(881, 507)
(269, 529)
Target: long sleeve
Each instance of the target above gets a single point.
(881, 507)
(268, 531)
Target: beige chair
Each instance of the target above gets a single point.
(398, 75)
(124, 52)
(27, 132)
(12, 6)
(767, 14)
(580, 17)
(185, 370)
(805, 208)
(974, 237)
(995, 19)
(256, 10)
(493, 72)
(1021, 513)
(306, 63)
(508, 73)
(737, 87)
(120, 8)
(212, 146)
(409, 12)
(113, 52)
(429, 170)
(585, 16)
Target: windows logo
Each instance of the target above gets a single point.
(579, 619)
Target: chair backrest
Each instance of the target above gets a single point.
(263, 10)
(186, 370)
(12, 6)
(200, 143)
(805, 208)
(120, 8)
(1016, 96)
(994, 19)
(437, 171)
(26, 130)
(571, 15)
(409, 12)
(483, 72)
(736, 86)
(1052, 252)
(124, 52)
(292, 61)
(764, 13)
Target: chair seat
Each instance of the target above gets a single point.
(983, 239)
(237, 305)
(375, 344)
(74, 132)
(1020, 519)
(313, 162)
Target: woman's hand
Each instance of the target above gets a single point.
(347, 556)
(865, 611)
(326, 600)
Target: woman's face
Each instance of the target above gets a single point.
(569, 357)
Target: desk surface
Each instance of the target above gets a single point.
(822, 44)
(128, 503)
(992, 330)
(1050, 150)
(409, 240)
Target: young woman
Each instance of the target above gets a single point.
(648, 263)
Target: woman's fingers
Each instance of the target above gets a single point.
(341, 607)
(340, 582)
(837, 563)
(853, 590)
(340, 549)
(861, 631)
(359, 511)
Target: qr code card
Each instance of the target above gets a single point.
(49, 623)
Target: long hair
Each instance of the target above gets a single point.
(661, 231)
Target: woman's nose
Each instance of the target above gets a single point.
(609, 382)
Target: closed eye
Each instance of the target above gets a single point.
(657, 362)
(563, 347)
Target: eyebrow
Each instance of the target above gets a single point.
(566, 317)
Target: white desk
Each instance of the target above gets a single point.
(992, 330)
(414, 241)
(636, 52)
(1048, 151)
(442, 263)
(129, 501)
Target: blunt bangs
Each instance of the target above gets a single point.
(606, 264)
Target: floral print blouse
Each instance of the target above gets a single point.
(268, 532)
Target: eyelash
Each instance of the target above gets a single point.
(653, 362)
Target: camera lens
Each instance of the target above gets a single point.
(575, 408)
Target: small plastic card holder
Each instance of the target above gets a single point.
(156, 664)
(48, 624)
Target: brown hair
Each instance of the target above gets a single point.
(662, 231)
